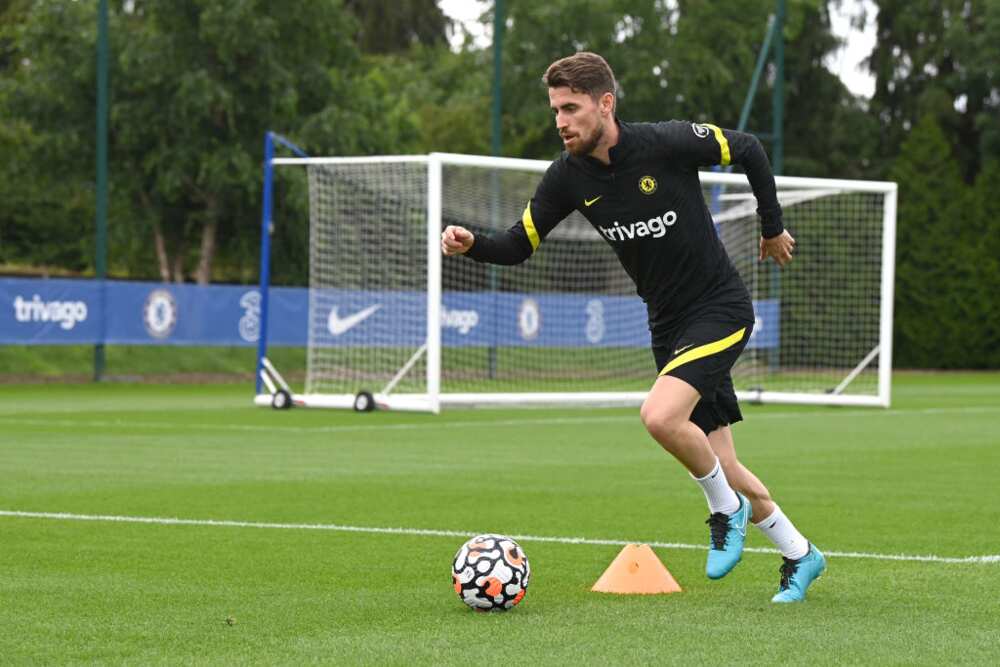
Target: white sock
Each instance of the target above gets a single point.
(718, 493)
(783, 533)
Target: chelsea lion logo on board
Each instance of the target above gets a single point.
(159, 313)
(647, 184)
(529, 319)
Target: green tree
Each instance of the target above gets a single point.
(941, 259)
(937, 81)
(197, 84)
(395, 26)
(194, 86)
(452, 95)
(985, 223)
(828, 131)
(47, 102)
(939, 57)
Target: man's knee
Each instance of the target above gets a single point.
(662, 422)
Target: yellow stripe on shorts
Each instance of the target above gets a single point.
(723, 144)
(529, 228)
(704, 350)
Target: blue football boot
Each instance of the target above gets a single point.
(728, 531)
(796, 575)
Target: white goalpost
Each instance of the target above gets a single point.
(393, 324)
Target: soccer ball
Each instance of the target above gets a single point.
(490, 572)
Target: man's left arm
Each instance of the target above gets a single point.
(746, 150)
(704, 144)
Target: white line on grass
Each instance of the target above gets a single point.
(167, 521)
(436, 424)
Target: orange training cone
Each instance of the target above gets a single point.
(636, 570)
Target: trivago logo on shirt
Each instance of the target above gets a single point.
(65, 313)
(655, 227)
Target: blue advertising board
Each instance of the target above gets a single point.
(51, 312)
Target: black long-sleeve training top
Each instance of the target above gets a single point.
(648, 206)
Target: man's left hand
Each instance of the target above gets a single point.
(779, 247)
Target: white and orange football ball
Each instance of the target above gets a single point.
(490, 572)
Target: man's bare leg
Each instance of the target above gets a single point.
(766, 514)
(666, 414)
(803, 563)
(739, 476)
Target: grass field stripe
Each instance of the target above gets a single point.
(555, 421)
(167, 521)
(545, 421)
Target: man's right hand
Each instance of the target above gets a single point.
(779, 247)
(456, 240)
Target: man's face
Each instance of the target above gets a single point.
(578, 120)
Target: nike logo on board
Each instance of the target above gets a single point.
(338, 325)
(590, 202)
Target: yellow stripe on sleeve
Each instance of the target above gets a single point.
(704, 350)
(723, 144)
(529, 228)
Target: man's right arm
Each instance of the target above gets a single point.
(508, 247)
(545, 210)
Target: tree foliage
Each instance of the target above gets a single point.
(196, 83)
(395, 26)
(47, 100)
(939, 57)
(984, 220)
(937, 103)
(929, 181)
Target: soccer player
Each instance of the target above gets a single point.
(637, 184)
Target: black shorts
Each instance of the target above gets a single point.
(702, 351)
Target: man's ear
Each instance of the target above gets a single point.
(608, 103)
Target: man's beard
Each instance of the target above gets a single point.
(587, 147)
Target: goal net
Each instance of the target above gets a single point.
(390, 316)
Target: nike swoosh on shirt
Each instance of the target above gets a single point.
(338, 325)
(589, 202)
(681, 349)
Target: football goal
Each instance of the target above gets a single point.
(392, 323)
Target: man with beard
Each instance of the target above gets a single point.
(638, 185)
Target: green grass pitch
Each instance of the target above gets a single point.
(873, 488)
